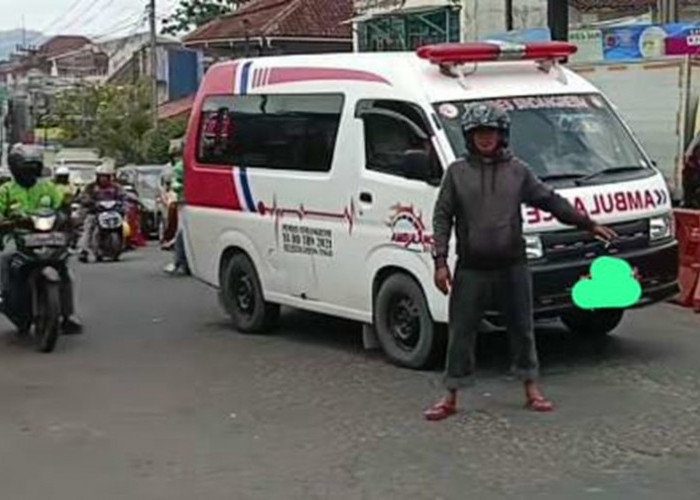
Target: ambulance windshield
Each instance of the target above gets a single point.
(563, 135)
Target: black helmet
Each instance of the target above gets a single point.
(26, 164)
(485, 115)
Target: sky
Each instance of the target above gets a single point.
(95, 18)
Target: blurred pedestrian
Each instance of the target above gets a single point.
(691, 174)
(179, 264)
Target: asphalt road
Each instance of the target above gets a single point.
(160, 399)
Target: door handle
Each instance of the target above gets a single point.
(366, 197)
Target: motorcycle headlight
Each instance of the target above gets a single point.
(533, 246)
(661, 228)
(44, 222)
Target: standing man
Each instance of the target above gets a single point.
(179, 264)
(481, 196)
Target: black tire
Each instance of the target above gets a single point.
(48, 317)
(243, 299)
(592, 323)
(113, 246)
(405, 329)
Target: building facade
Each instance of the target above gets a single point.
(382, 25)
(274, 27)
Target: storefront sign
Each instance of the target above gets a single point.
(589, 43)
(686, 42)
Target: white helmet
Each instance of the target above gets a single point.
(62, 170)
(105, 168)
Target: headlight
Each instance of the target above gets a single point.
(661, 228)
(44, 222)
(533, 246)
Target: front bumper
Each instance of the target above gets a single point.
(657, 267)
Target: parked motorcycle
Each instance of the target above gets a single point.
(109, 237)
(42, 251)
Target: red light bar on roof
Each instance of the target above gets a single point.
(460, 53)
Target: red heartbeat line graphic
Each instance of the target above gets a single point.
(348, 215)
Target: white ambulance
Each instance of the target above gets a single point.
(310, 182)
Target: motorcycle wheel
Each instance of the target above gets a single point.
(114, 245)
(48, 317)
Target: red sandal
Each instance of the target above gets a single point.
(539, 404)
(440, 411)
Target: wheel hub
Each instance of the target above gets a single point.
(244, 293)
(404, 323)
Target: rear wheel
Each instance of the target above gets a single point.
(592, 323)
(406, 330)
(243, 299)
(48, 317)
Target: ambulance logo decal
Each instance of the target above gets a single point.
(408, 229)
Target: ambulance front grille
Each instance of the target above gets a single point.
(577, 245)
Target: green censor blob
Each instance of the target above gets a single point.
(612, 284)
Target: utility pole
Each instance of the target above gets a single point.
(558, 19)
(154, 61)
(509, 15)
(668, 11)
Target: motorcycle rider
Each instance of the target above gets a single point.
(19, 197)
(62, 180)
(105, 188)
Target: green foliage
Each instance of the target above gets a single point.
(191, 14)
(116, 120)
(156, 144)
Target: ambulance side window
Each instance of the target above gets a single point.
(396, 135)
(276, 131)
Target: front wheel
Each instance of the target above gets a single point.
(242, 297)
(48, 316)
(405, 329)
(592, 323)
(112, 246)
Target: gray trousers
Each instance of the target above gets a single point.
(473, 291)
(88, 236)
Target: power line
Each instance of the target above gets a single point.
(56, 21)
(79, 17)
(133, 21)
(87, 21)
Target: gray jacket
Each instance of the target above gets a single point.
(482, 198)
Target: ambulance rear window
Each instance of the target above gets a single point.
(287, 132)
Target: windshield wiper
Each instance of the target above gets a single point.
(611, 170)
(558, 177)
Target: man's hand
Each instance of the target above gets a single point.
(604, 233)
(443, 279)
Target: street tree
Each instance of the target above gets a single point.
(191, 14)
(115, 119)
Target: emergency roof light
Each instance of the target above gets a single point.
(450, 57)
(460, 53)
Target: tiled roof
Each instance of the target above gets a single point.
(619, 5)
(280, 18)
(61, 44)
(171, 109)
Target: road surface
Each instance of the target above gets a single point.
(160, 399)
